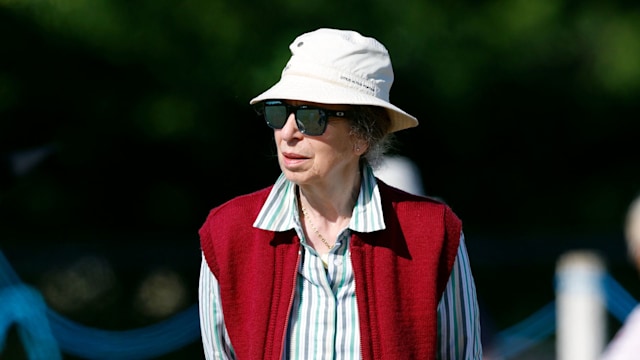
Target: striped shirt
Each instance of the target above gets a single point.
(323, 323)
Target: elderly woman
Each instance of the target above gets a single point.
(330, 262)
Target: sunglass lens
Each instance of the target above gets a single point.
(311, 121)
(275, 115)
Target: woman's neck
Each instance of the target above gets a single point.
(326, 211)
(333, 200)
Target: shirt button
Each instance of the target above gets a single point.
(338, 262)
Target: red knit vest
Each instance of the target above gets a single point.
(400, 275)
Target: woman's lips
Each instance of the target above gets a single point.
(292, 158)
(289, 155)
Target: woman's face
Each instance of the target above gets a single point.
(316, 160)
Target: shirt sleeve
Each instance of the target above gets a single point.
(215, 339)
(458, 314)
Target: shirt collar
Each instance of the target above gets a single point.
(279, 212)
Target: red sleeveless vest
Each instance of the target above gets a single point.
(400, 275)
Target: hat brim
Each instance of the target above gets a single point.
(302, 88)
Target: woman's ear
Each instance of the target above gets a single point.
(359, 147)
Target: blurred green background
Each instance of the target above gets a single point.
(122, 123)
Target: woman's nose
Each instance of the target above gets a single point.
(290, 128)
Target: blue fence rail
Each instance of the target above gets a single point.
(46, 334)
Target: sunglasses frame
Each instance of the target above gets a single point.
(324, 115)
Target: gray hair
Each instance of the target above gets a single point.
(371, 124)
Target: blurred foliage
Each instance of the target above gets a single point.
(520, 103)
(528, 112)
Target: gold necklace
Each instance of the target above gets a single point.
(315, 229)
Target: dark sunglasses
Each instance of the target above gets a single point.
(311, 120)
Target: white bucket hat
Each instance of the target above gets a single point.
(332, 66)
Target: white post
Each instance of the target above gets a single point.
(580, 306)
